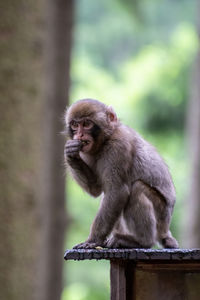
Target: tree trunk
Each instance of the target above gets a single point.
(32, 210)
(193, 135)
(20, 69)
(57, 59)
(192, 232)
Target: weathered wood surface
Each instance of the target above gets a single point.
(149, 274)
(156, 280)
(134, 254)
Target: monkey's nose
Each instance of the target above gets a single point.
(80, 133)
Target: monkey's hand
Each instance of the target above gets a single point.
(72, 148)
(89, 245)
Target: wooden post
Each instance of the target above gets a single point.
(121, 279)
(146, 274)
(117, 280)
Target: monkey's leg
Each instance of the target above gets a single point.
(169, 241)
(137, 226)
(162, 213)
(165, 237)
(144, 221)
(119, 240)
(140, 216)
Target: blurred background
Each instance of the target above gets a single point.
(141, 57)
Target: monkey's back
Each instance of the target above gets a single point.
(148, 166)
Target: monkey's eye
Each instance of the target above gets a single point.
(74, 125)
(87, 124)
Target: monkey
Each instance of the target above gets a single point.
(107, 157)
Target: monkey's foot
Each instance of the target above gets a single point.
(122, 241)
(87, 245)
(170, 242)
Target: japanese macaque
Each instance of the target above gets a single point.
(109, 158)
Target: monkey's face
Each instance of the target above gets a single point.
(92, 123)
(84, 131)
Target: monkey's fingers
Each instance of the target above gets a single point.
(71, 143)
(72, 149)
(86, 245)
(72, 155)
(78, 246)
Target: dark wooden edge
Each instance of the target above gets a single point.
(118, 280)
(134, 254)
(121, 279)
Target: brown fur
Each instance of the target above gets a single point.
(138, 192)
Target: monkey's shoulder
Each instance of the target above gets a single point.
(120, 144)
(117, 154)
(126, 140)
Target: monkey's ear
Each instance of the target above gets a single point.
(112, 117)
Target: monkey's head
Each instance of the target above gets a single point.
(91, 122)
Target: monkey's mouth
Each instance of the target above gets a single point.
(85, 142)
(86, 145)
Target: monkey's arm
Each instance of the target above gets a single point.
(116, 195)
(81, 172)
(85, 177)
(111, 206)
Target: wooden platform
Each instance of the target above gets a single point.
(134, 254)
(147, 274)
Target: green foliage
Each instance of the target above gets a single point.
(82, 272)
(152, 87)
(81, 291)
(109, 34)
(164, 106)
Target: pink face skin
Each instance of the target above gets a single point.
(82, 132)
